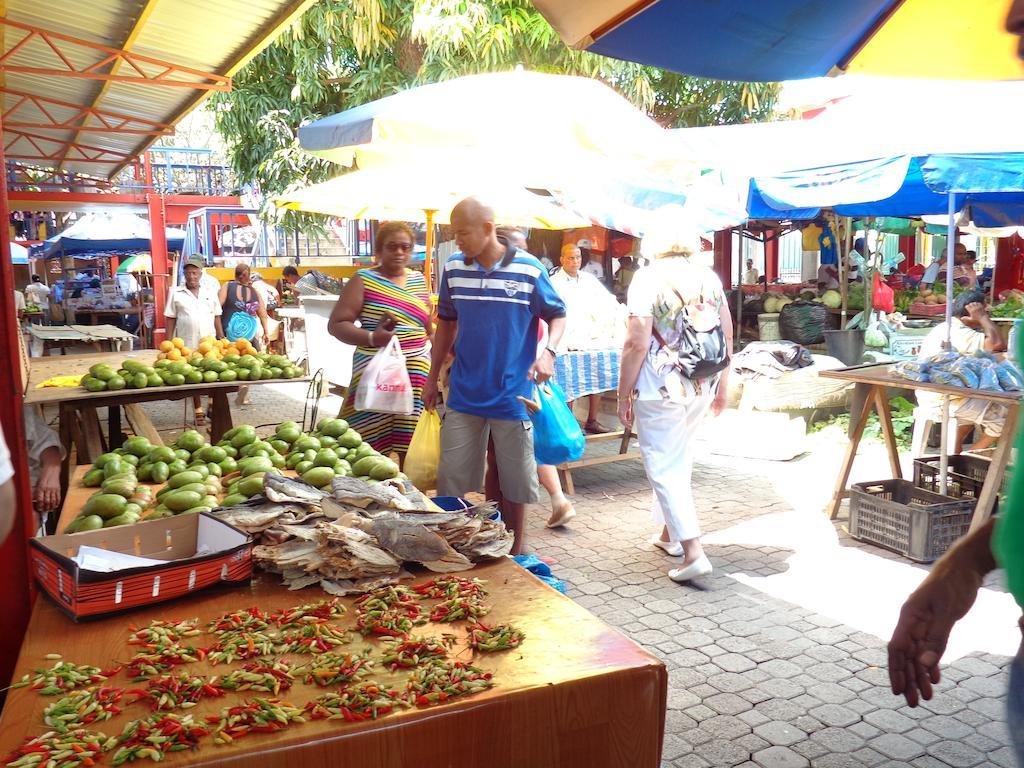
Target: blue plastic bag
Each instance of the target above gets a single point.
(557, 436)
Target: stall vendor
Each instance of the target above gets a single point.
(972, 330)
(751, 276)
(937, 268)
(586, 299)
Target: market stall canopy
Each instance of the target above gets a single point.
(576, 125)
(407, 193)
(991, 185)
(793, 39)
(90, 84)
(105, 232)
(137, 262)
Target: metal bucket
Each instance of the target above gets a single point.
(847, 346)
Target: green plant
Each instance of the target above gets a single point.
(902, 411)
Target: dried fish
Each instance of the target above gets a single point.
(280, 488)
(411, 541)
(355, 492)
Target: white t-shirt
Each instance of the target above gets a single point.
(38, 293)
(595, 268)
(751, 276)
(19, 301)
(965, 340)
(653, 294)
(194, 314)
(587, 305)
(6, 468)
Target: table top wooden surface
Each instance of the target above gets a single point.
(882, 374)
(577, 692)
(78, 332)
(43, 368)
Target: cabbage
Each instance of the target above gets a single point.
(832, 299)
(771, 305)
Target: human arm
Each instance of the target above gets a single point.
(721, 396)
(993, 338)
(8, 495)
(46, 493)
(638, 341)
(218, 326)
(261, 312)
(444, 337)
(169, 325)
(927, 617)
(342, 324)
(548, 305)
(543, 367)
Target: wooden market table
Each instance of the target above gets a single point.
(59, 336)
(581, 373)
(93, 315)
(576, 693)
(871, 383)
(79, 421)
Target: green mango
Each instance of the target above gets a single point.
(190, 441)
(365, 449)
(303, 466)
(93, 478)
(162, 453)
(145, 473)
(154, 380)
(213, 454)
(327, 441)
(123, 519)
(137, 446)
(84, 523)
(255, 464)
(116, 467)
(102, 371)
(350, 439)
(177, 466)
(106, 505)
(250, 486)
(232, 499)
(318, 476)
(138, 381)
(186, 477)
(181, 453)
(228, 466)
(160, 472)
(214, 469)
(197, 510)
(130, 459)
(200, 467)
(116, 383)
(279, 445)
(325, 457)
(93, 384)
(385, 469)
(104, 458)
(333, 427)
(180, 500)
(306, 443)
(292, 460)
(194, 377)
(243, 436)
(120, 484)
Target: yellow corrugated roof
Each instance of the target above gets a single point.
(209, 37)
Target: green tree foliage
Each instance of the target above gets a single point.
(343, 53)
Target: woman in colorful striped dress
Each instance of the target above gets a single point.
(387, 300)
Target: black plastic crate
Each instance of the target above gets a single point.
(965, 474)
(915, 522)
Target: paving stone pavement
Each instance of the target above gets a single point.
(777, 659)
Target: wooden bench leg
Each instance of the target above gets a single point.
(142, 423)
(856, 433)
(565, 478)
(997, 469)
(92, 432)
(221, 414)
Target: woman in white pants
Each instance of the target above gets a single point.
(668, 406)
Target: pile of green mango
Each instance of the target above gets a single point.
(134, 374)
(190, 470)
(333, 449)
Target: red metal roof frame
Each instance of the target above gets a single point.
(107, 122)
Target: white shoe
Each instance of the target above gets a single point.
(699, 567)
(673, 548)
(560, 515)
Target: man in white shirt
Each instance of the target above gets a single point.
(971, 330)
(190, 312)
(37, 293)
(583, 295)
(938, 267)
(751, 276)
(19, 303)
(595, 266)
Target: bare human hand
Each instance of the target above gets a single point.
(719, 403)
(625, 411)
(976, 311)
(429, 395)
(922, 631)
(543, 368)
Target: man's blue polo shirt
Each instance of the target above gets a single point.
(496, 342)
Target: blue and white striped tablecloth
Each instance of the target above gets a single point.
(587, 373)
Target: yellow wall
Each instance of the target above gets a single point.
(273, 274)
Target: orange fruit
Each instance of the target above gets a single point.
(211, 355)
(178, 342)
(166, 346)
(204, 347)
(174, 354)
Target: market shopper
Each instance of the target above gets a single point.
(584, 296)
(45, 454)
(37, 292)
(192, 313)
(666, 405)
(388, 300)
(971, 330)
(562, 510)
(243, 316)
(943, 598)
(8, 495)
(492, 298)
(751, 276)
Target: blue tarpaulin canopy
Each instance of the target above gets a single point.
(105, 233)
(991, 185)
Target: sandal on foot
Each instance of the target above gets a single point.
(561, 515)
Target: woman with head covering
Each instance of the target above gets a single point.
(388, 300)
(243, 315)
(673, 295)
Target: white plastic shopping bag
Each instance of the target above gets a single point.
(385, 386)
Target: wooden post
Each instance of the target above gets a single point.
(161, 266)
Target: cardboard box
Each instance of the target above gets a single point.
(85, 594)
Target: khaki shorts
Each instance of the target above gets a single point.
(464, 451)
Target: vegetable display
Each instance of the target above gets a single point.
(427, 666)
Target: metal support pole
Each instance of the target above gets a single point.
(739, 290)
